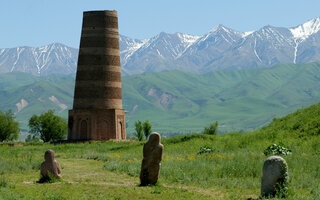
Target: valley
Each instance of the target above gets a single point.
(178, 102)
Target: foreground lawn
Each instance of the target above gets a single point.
(110, 170)
(86, 179)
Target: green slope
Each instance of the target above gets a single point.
(245, 99)
(180, 102)
(40, 93)
(302, 123)
(15, 80)
(111, 169)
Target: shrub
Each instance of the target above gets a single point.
(275, 149)
(138, 128)
(146, 128)
(48, 126)
(212, 129)
(9, 128)
(205, 149)
(184, 138)
(32, 138)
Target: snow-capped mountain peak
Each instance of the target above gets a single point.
(217, 28)
(129, 46)
(245, 34)
(44, 60)
(166, 44)
(303, 31)
(226, 34)
(220, 48)
(188, 39)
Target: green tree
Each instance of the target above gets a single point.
(212, 129)
(146, 128)
(138, 133)
(48, 126)
(32, 138)
(9, 128)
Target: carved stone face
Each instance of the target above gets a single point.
(154, 139)
(49, 155)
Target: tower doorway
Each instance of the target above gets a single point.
(83, 130)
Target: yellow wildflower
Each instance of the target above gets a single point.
(115, 155)
(191, 157)
(179, 158)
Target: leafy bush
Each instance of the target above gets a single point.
(205, 149)
(9, 128)
(146, 128)
(32, 138)
(48, 126)
(212, 129)
(138, 128)
(282, 187)
(184, 138)
(275, 149)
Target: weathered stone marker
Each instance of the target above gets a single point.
(50, 166)
(275, 177)
(152, 156)
(97, 112)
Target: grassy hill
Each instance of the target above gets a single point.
(245, 99)
(110, 170)
(35, 95)
(178, 102)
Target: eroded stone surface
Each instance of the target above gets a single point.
(50, 165)
(152, 156)
(275, 176)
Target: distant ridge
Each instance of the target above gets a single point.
(179, 102)
(54, 58)
(221, 48)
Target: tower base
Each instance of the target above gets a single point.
(96, 124)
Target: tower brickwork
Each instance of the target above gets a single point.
(97, 112)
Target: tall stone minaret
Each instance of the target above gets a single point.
(97, 106)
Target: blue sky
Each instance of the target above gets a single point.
(41, 22)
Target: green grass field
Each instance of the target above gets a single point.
(110, 170)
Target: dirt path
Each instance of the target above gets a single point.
(91, 172)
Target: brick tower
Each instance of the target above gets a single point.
(97, 112)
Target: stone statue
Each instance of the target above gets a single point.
(152, 156)
(50, 165)
(275, 177)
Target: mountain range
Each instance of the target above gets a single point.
(220, 48)
(179, 102)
